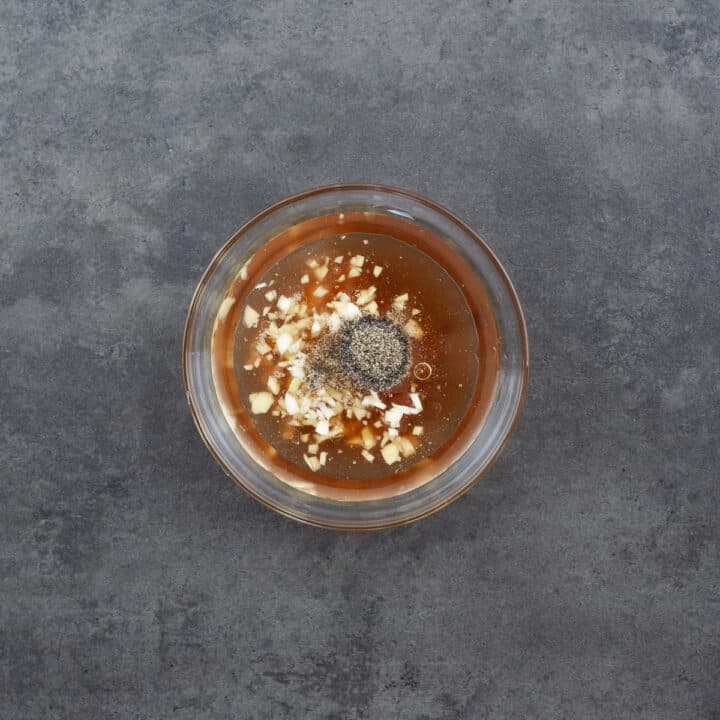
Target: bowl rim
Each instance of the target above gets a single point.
(393, 190)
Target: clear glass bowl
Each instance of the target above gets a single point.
(220, 439)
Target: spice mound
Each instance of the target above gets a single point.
(374, 352)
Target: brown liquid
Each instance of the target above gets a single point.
(460, 344)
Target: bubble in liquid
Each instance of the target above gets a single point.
(422, 371)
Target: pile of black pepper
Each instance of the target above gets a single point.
(373, 352)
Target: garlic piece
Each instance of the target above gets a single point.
(250, 317)
(312, 462)
(225, 306)
(260, 402)
(354, 272)
(365, 296)
(369, 440)
(321, 272)
(296, 371)
(377, 270)
(345, 309)
(399, 301)
(357, 260)
(270, 295)
(371, 308)
(390, 454)
(413, 330)
(393, 416)
(372, 400)
(368, 456)
(320, 291)
(359, 411)
(334, 322)
(404, 445)
(291, 404)
(283, 342)
(273, 385)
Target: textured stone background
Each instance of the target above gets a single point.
(580, 579)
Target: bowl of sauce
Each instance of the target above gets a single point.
(355, 357)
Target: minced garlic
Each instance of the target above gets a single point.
(292, 326)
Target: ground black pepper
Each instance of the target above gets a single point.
(373, 352)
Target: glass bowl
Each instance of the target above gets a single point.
(492, 435)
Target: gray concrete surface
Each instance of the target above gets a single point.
(580, 579)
